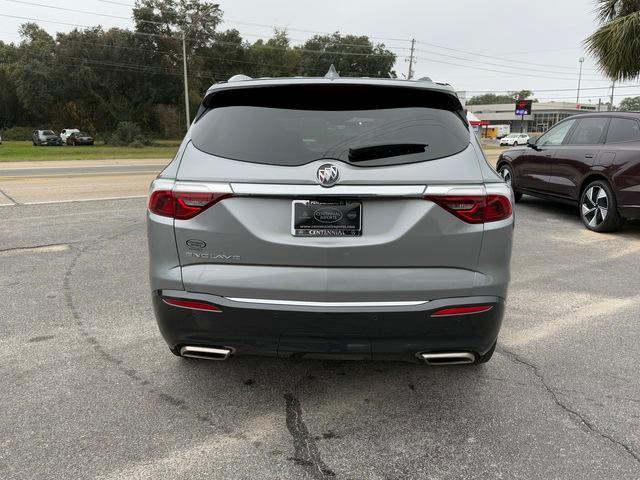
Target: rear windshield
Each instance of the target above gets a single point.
(364, 126)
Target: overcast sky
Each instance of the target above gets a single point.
(546, 34)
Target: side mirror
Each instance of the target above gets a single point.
(532, 144)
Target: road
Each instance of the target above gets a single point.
(90, 390)
(63, 181)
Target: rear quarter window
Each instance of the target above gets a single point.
(364, 126)
(623, 130)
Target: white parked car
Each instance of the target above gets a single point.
(515, 139)
(64, 134)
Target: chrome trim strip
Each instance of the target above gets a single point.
(440, 190)
(161, 184)
(276, 189)
(297, 303)
(202, 187)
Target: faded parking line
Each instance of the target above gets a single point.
(60, 247)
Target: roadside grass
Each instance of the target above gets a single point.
(16, 151)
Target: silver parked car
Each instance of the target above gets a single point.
(330, 217)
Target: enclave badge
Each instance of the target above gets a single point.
(327, 175)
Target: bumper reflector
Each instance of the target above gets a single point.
(191, 304)
(448, 312)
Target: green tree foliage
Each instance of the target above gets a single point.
(351, 55)
(616, 44)
(96, 79)
(630, 104)
(492, 98)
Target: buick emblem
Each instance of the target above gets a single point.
(327, 175)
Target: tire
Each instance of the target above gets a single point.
(506, 172)
(599, 208)
(487, 356)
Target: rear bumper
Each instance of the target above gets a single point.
(367, 332)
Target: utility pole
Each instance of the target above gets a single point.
(581, 60)
(411, 60)
(186, 80)
(613, 85)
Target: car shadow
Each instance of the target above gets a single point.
(631, 228)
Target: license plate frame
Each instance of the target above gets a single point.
(315, 218)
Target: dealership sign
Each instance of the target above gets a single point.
(523, 107)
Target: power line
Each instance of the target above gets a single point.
(118, 17)
(239, 22)
(112, 2)
(323, 52)
(86, 12)
(265, 25)
(519, 67)
(475, 54)
(267, 47)
(519, 74)
(549, 90)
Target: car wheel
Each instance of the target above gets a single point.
(487, 356)
(599, 208)
(506, 173)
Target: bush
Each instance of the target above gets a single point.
(17, 133)
(136, 144)
(126, 134)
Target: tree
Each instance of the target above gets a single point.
(350, 54)
(630, 104)
(275, 57)
(522, 95)
(492, 98)
(616, 44)
(34, 72)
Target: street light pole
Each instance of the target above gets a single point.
(579, 79)
(186, 80)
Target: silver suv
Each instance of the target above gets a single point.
(330, 217)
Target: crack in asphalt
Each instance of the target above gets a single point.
(573, 413)
(306, 453)
(15, 202)
(131, 373)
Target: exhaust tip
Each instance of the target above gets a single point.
(205, 353)
(447, 358)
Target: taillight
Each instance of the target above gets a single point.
(475, 208)
(453, 311)
(183, 205)
(191, 304)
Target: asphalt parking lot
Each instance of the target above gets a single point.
(90, 390)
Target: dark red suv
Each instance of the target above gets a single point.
(592, 160)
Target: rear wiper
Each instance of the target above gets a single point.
(384, 150)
